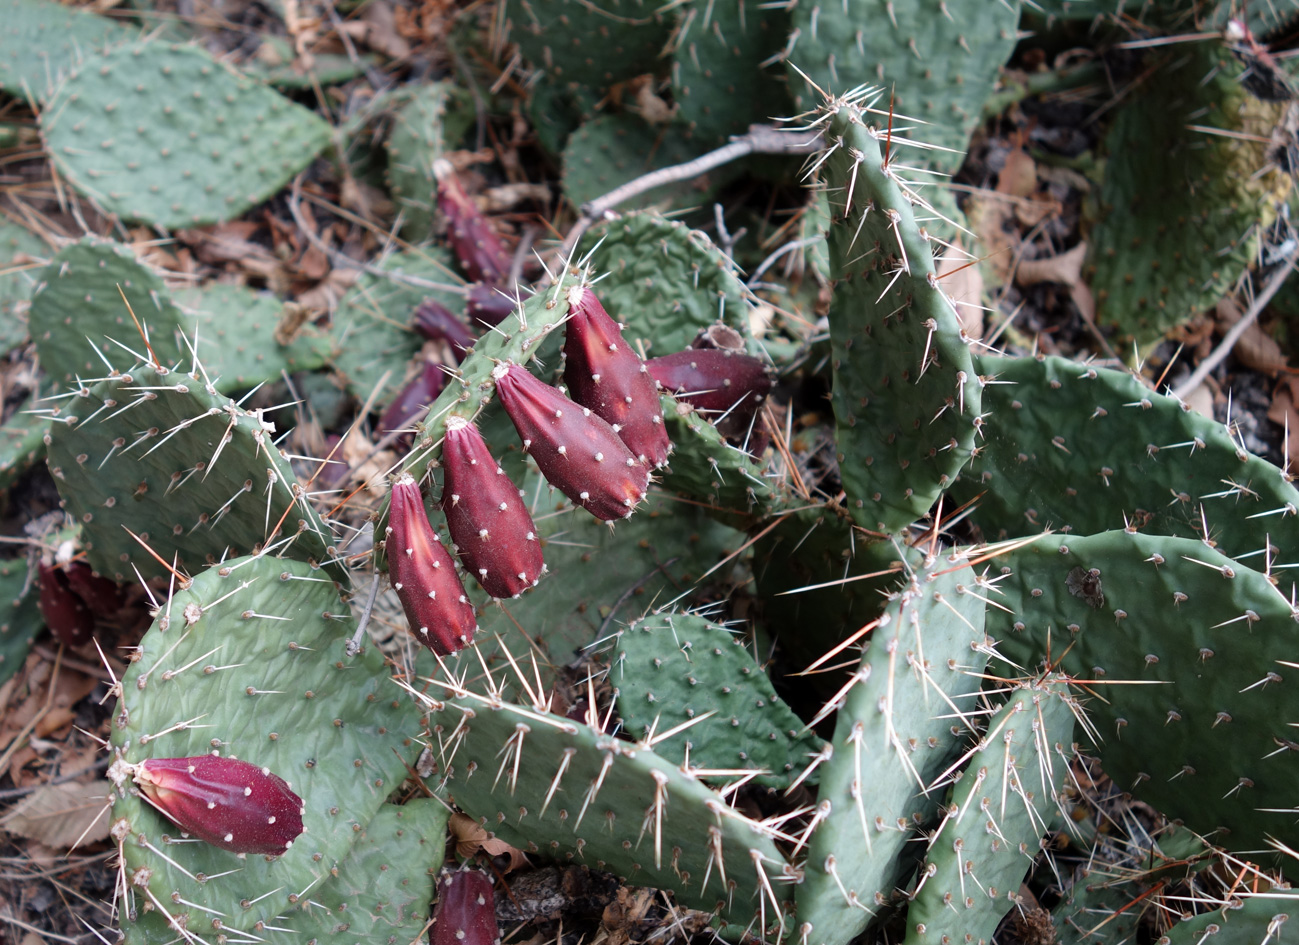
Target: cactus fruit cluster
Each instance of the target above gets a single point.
(790, 599)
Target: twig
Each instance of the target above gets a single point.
(725, 239)
(354, 644)
(339, 259)
(1219, 354)
(761, 139)
(99, 765)
(789, 247)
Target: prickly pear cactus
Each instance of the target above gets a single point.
(22, 441)
(906, 398)
(671, 668)
(161, 455)
(16, 286)
(42, 41)
(248, 661)
(665, 282)
(432, 122)
(1060, 434)
(901, 717)
(1150, 270)
(202, 143)
(80, 322)
(1000, 808)
(561, 788)
(612, 149)
(1190, 648)
(940, 58)
(20, 620)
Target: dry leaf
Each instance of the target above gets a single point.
(962, 280)
(1065, 268)
(991, 219)
(1255, 349)
(57, 814)
(470, 838)
(1019, 175)
(1284, 412)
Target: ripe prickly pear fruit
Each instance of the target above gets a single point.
(66, 614)
(489, 523)
(713, 379)
(466, 910)
(436, 322)
(231, 804)
(575, 450)
(424, 576)
(485, 305)
(422, 390)
(100, 594)
(603, 372)
(481, 254)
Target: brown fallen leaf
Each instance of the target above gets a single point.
(1018, 176)
(1256, 349)
(58, 814)
(1284, 412)
(962, 280)
(470, 838)
(992, 219)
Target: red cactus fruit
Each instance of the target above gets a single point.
(485, 305)
(466, 910)
(424, 575)
(481, 254)
(436, 322)
(713, 379)
(604, 373)
(231, 804)
(577, 452)
(66, 614)
(101, 595)
(422, 390)
(489, 523)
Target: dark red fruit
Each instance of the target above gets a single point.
(480, 251)
(66, 614)
(466, 910)
(489, 523)
(603, 372)
(231, 804)
(422, 390)
(575, 450)
(713, 379)
(436, 322)
(424, 575)
(487, 306)
(101, 595)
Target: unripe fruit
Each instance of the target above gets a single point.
(231, 804)
(489, 524)
(603, 372)
(424, 576)
(575, 450)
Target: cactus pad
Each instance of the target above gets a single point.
(432, 122)
(671, 668)
(249, 662)
(188, 470)
(20, 620)
(166, 135)
(42, 41)
(612, 149)
(22, 441)
(1193, 654)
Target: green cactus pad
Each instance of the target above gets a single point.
(249, 661)
(165, 135)
(1190, 653)
(383, 888)
(588, 46)
(432, 122)
(612, 149)
(372, 330)
(236, 331)
(598, 579)
(703, 466)
(906, 398)
(41, 41)
(20, 619)
(665, 282)
(671, 668)
(561, 789)
(22, 441)
(941, 58)
(717, 76)
(16, 287)
(1092, 899)
(1257, 920)
(1151, 268)
(1084, 449)
(77, 310)
(996, 817)
(900, 718)
(192, 473)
